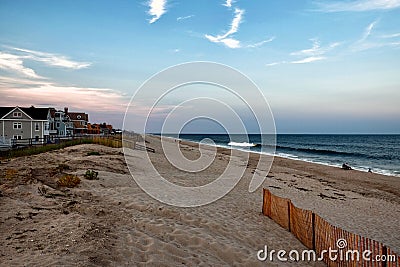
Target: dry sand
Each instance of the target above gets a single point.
(112, 222)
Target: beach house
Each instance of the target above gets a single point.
(80, 122)
(100, 128)
(22, 123)
(93, 128)
(61, 124)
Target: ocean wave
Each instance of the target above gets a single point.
(327, 152)
(243, 144)
(382, 160)
(285, 155)
(317, 151)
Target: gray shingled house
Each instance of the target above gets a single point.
(22, 123)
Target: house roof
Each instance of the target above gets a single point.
(78, 116)
(5, 110)
(34, 113)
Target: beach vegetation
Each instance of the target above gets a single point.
(91, 175)
(68, 180)
(10, 174)
(34, 150)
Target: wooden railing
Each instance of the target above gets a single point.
(144, 148)
(135, 145)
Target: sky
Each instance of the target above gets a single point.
(323, 66)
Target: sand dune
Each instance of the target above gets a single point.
(112, 222)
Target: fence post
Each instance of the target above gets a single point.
(313, 230)
(288, 207)
(266, 202)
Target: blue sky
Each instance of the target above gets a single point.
(324, 66)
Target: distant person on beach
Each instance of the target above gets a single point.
(369, 170)
(346, 166)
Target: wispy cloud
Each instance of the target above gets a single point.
(13, 61)
(313, 54)
(15, 64)
(261, 43)
(225, 39)
(308, 60)
(184, 18)
(228, 3)
(20, 85)
(275, 63)
(357, 5)
(369, 40)
(393, 35)
(52, 59)
(27, 92)
(157, 9)
(316, 50)
(368, 31)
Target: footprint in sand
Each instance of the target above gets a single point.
(302, 189)
(326, 197)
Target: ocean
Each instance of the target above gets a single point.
(381, 153)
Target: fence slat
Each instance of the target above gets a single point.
(301, 225)
(280, 211)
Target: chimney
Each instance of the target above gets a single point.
(66, 110)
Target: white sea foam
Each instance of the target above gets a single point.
(243, 144)
(284, 155)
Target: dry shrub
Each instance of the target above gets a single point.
(68, 180)
(10, 174)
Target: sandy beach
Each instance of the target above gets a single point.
(112, 222)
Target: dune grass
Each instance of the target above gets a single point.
(115, 143)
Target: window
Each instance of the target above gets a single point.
(17, 125)
(19, 137)
(36, 126)
(17, 114)
(58, 125)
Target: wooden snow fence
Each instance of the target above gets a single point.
(319, 235)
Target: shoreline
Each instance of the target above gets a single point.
(379, 171)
